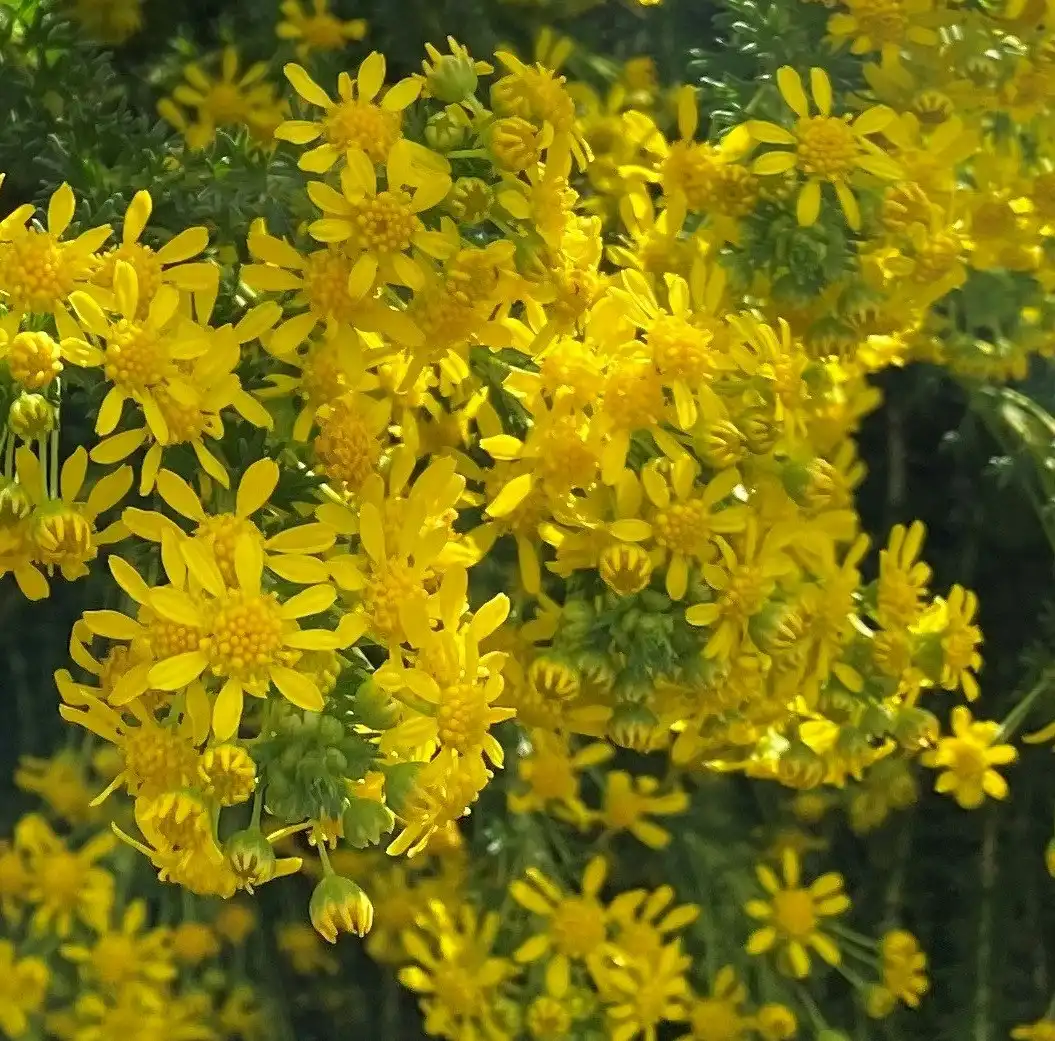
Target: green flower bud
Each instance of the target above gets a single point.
(338, 905)
(760, 432)
(365, 821)
(374, 708)
(450, 77)
(916, 728)
(15, 505)
(400, 779)
(470, 200)
(632, 726)
(444, 133)
(800, 767)
(31, 417)
(251, 857)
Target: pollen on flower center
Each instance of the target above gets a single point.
(134, 356)
(326, 285)
(345, 445)
(746, 592)
(385, 223)
(60, 877)
(322, 377)
(578, 927)
(157, 759)
(682, 527)
(34, 272)
(186, 423)
(143, 261)
(633, 396)
(167, 638)
(793, 912)
(680, 350)
(363, 125)
(222, 532)
(567, 461)
(827, 147)
(547, 1017)
(461, 717)
(247, 635)
(395, 584)
(884, 21)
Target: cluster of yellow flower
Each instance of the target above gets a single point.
(79, 960)
(518, 427)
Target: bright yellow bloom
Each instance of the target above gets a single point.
(904, 979)
(317, 29)
(365, 118)
(61, 782)
(383, 225)
(793, 915)
(903, 577)
(38, 271)
(23, 987)
(460, 981)
(826, 147)
(966, 759)
(629, 801)
(883, 25)
(551, 774)
(645, 922)
(576, 925)
(720, 1016)
(66, 886)
(170, 264)
(290, 553)
(642, 994)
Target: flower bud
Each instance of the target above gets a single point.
(365, 821)
(31, 417)
(251, 857)
(800, 767)
(776, 1022)
(450, 77)
(444, 133)
(632, 726)
(470, 200)
(338, 905)
(625, 568)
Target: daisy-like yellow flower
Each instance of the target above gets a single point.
(721, 1016)
(171, 264)
(641, 995)
(247, 635)
(684, 524)
(576, 925)
(332, 286)
(382, 224)
(630, 801)
(888, 26)
(226, 100)
(364, 117)
(551, 776)
(136, 356)
(289, 554)
(824, 147)
(967, 758)
(793, 915)
(39, 271)
(316, 29)
(68, 886)
(24, 986)
(190, 403)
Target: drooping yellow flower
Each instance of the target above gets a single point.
(317, 29)
(966, 760)
(365, 118)
(826, 147)
(793, 915)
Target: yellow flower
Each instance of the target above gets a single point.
(249, 638)
(645, 922)
(903, 577)
(304, 949)
(904, 974)
(339, 905)
(1041, 1030)
(883, 25)
(23, 987)
(62, 531)
(61, 782)
(793, 915)
(109, 21)
(382, 226)
(826, 147)
(629, 801)
(720, 1015)
(317, 29)
(642, 994)
(170, 264)
(966, 759)
(960, 638)
(551, 773)
(363, 119)
(576, 925)
(125, 954)
(194, 942)
(331, 285)
(453, 969)
(38, 271)
(289, 553)
(67, 886)
(227, 100)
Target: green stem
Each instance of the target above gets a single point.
(1018, 714)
